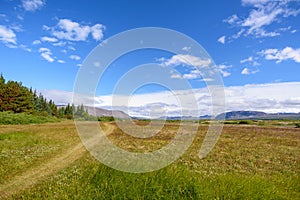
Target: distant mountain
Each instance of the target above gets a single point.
(257, 115)
(241, 115)
(100, 112)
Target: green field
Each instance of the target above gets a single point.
(250, 161)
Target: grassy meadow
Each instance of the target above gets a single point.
(257, 160)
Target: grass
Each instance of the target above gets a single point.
(23, 118)
(248, 162)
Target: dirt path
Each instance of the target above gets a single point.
(33, 175)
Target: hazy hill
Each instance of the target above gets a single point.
(100, 112)
(257, 115)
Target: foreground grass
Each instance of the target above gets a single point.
(23, 118)
(249, 162)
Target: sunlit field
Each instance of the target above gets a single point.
(258, 160)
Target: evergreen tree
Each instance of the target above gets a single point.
(16, 98)
(2, 85)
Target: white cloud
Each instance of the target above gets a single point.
(264, 16)
(186, 48)
(177, 76)
(74, 57)
(46, 28)
(222, 39)
(287, 53)
(16, 27)
(36, 42)
(25, 48)
(32, 5)
(7, 35)
(264, 13)
(183, 60)
(48, 39)
(64, 51)
(249, 59)
(73, 31)
(194, 74)
(234, 19)
(247, 71)
(71, 48)
(223, 71)
(255, 2)
(46, 54)
(61, 61)
(59, 44)
(270, 98)
(273, 97)
(97, 31)
(186, 59)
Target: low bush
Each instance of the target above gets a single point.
(23, 118)
(245, 122)
(106, 119)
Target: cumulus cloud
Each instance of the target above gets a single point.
(74, 57)
(59, 44)
(287, 53)
(97, 31)
(60, 97)
(7, 35)
(33, 5)
(250, 60)
(69, 30)
(247, 71)
(46, 54)
(186, 59)
(61, 61)
(222, 39)
(224, 70)
(48, 39)
(194, 74)
(192, 67)
(263, 14)
(270, 98)
(176, 75)
(255, 2)
(36, 42)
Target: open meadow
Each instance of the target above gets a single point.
(48, 161)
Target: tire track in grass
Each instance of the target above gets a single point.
(36, 174)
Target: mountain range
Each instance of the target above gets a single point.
(257, 115)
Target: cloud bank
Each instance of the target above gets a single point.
(270, 98)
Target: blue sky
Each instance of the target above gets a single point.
(254, 43)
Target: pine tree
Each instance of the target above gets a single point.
(2, 85)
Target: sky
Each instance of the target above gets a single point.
(255, 45)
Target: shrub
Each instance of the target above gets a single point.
(23, 118)
(106, 119)
(245, 122)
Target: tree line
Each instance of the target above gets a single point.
(16, 98)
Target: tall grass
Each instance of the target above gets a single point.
(23, 118)
(90, 180)
(248, 162)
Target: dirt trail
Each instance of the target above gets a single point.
(33, 175)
